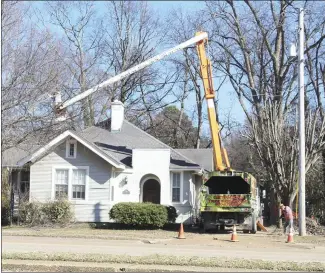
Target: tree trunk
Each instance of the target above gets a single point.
(176, 144)
(199, 123)
(292, 198)
(12, 199)
(323, 156)
(280, 225)
(273, 212)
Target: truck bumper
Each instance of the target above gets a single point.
(211, 220)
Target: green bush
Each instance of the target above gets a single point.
(58, 211)
(5, 214)
(172, 214)
(30, 213)
(49, 213)
(139, 214)
(5, 197)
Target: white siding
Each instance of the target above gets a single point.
(186, 208)
(95, 212)
(102, 178)
(99, 179)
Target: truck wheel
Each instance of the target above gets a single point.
(202, 230)
(206, 228)
(254, 225)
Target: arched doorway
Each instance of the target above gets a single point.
(151, 191)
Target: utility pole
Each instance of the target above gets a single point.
(302, 208)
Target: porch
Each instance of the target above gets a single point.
(19, 182)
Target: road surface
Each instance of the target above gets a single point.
(286, 252)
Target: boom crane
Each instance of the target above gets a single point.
(206, 73)
(218, 207)
(205, 65)
(60, 107)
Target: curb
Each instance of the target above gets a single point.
(60, 266)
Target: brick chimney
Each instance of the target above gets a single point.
(117, 115)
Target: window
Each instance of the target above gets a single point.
(71, 149)
(61, 183)
(24, 182)
(70, 182)
(79, 184)
(176, 187)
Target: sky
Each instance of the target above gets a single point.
(227, 100)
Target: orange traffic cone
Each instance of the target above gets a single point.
(290, 236)
(234, 235)
(181, 232)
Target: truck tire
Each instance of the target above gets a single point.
(206, 228)
(254, 225)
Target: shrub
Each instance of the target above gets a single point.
(172, 214)
(58, 212)
(30, 213)
(5, 214)
(49, 213)
(5, 197)
(139, 214)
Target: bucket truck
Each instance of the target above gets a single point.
(228, 197)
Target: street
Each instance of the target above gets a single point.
(285, 252)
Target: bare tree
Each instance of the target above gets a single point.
(182, 26)
(168, 128)
(30, 68)
(315, 192)
(250, 45)
(83, 36)
(132, 36)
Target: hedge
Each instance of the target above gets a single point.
(142, 214)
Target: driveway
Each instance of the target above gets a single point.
(286, 252)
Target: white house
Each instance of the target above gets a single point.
(111, 162)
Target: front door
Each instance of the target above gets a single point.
(151, 191)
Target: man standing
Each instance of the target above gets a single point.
(286, 210)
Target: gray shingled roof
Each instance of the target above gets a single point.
(203, 157)
(11, 156)
(120, 144)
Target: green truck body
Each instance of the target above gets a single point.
(229, 198)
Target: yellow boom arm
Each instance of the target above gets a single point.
(206, 72)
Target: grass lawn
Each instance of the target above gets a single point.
(84, 231)
(192, 236)
(218, 262)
